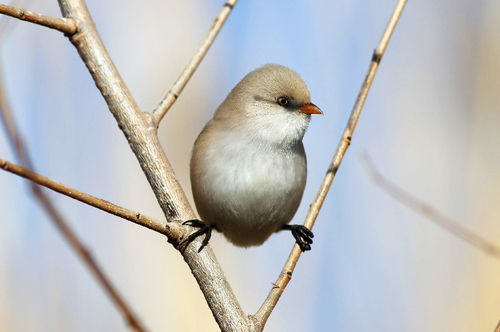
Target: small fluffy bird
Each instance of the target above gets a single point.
(248, 167)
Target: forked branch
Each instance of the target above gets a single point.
(286, 274)
(65, 25)
(101, 204)
(181, 82)
(140, 132)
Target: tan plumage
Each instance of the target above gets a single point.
(248, 167)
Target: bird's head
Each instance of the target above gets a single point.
(273, 103)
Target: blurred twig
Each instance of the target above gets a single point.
(59, 222)
(429, 211)
(497, 329)
(286, 274)
(56, 217)
(181, 82)
(101, 204)
(66, 25)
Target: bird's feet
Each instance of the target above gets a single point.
(204, 228)
(303, 235)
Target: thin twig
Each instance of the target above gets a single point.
(88, 259)
(65, 25)
(286, 274)
(141, 135)
(101, 204)
(183, 79)
(430, 212)
(5, 24)
(497, 329)
(58, 220)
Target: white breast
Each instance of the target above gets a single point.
(247, 188)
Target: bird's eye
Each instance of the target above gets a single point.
(283, 101)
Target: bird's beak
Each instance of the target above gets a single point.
(310, 109)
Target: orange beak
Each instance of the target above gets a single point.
(310, 109)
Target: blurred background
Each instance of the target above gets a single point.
(431, 125)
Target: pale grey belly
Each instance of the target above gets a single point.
(250, 196)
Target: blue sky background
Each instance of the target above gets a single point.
(430, 124)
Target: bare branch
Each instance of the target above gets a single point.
(101, 204)
(140, 133)
(497, 329)
(58, 220)
(87, 258)
(181, 82)
(65, 25)
(56, 217)
(430, 212)
(286, 274)
(5, 23)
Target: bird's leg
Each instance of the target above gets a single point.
(204, 228)
(303, 235)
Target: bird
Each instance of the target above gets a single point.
(248, 165)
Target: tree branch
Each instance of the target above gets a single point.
(431, 213)
(58, 220)
(286, 274)
(497, 329)
(140, 132)
(65, 25)
(181, 82)
(101, 204)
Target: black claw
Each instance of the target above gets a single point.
(204, 228)
(206, 239)
(303, 236)
(194, 223)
